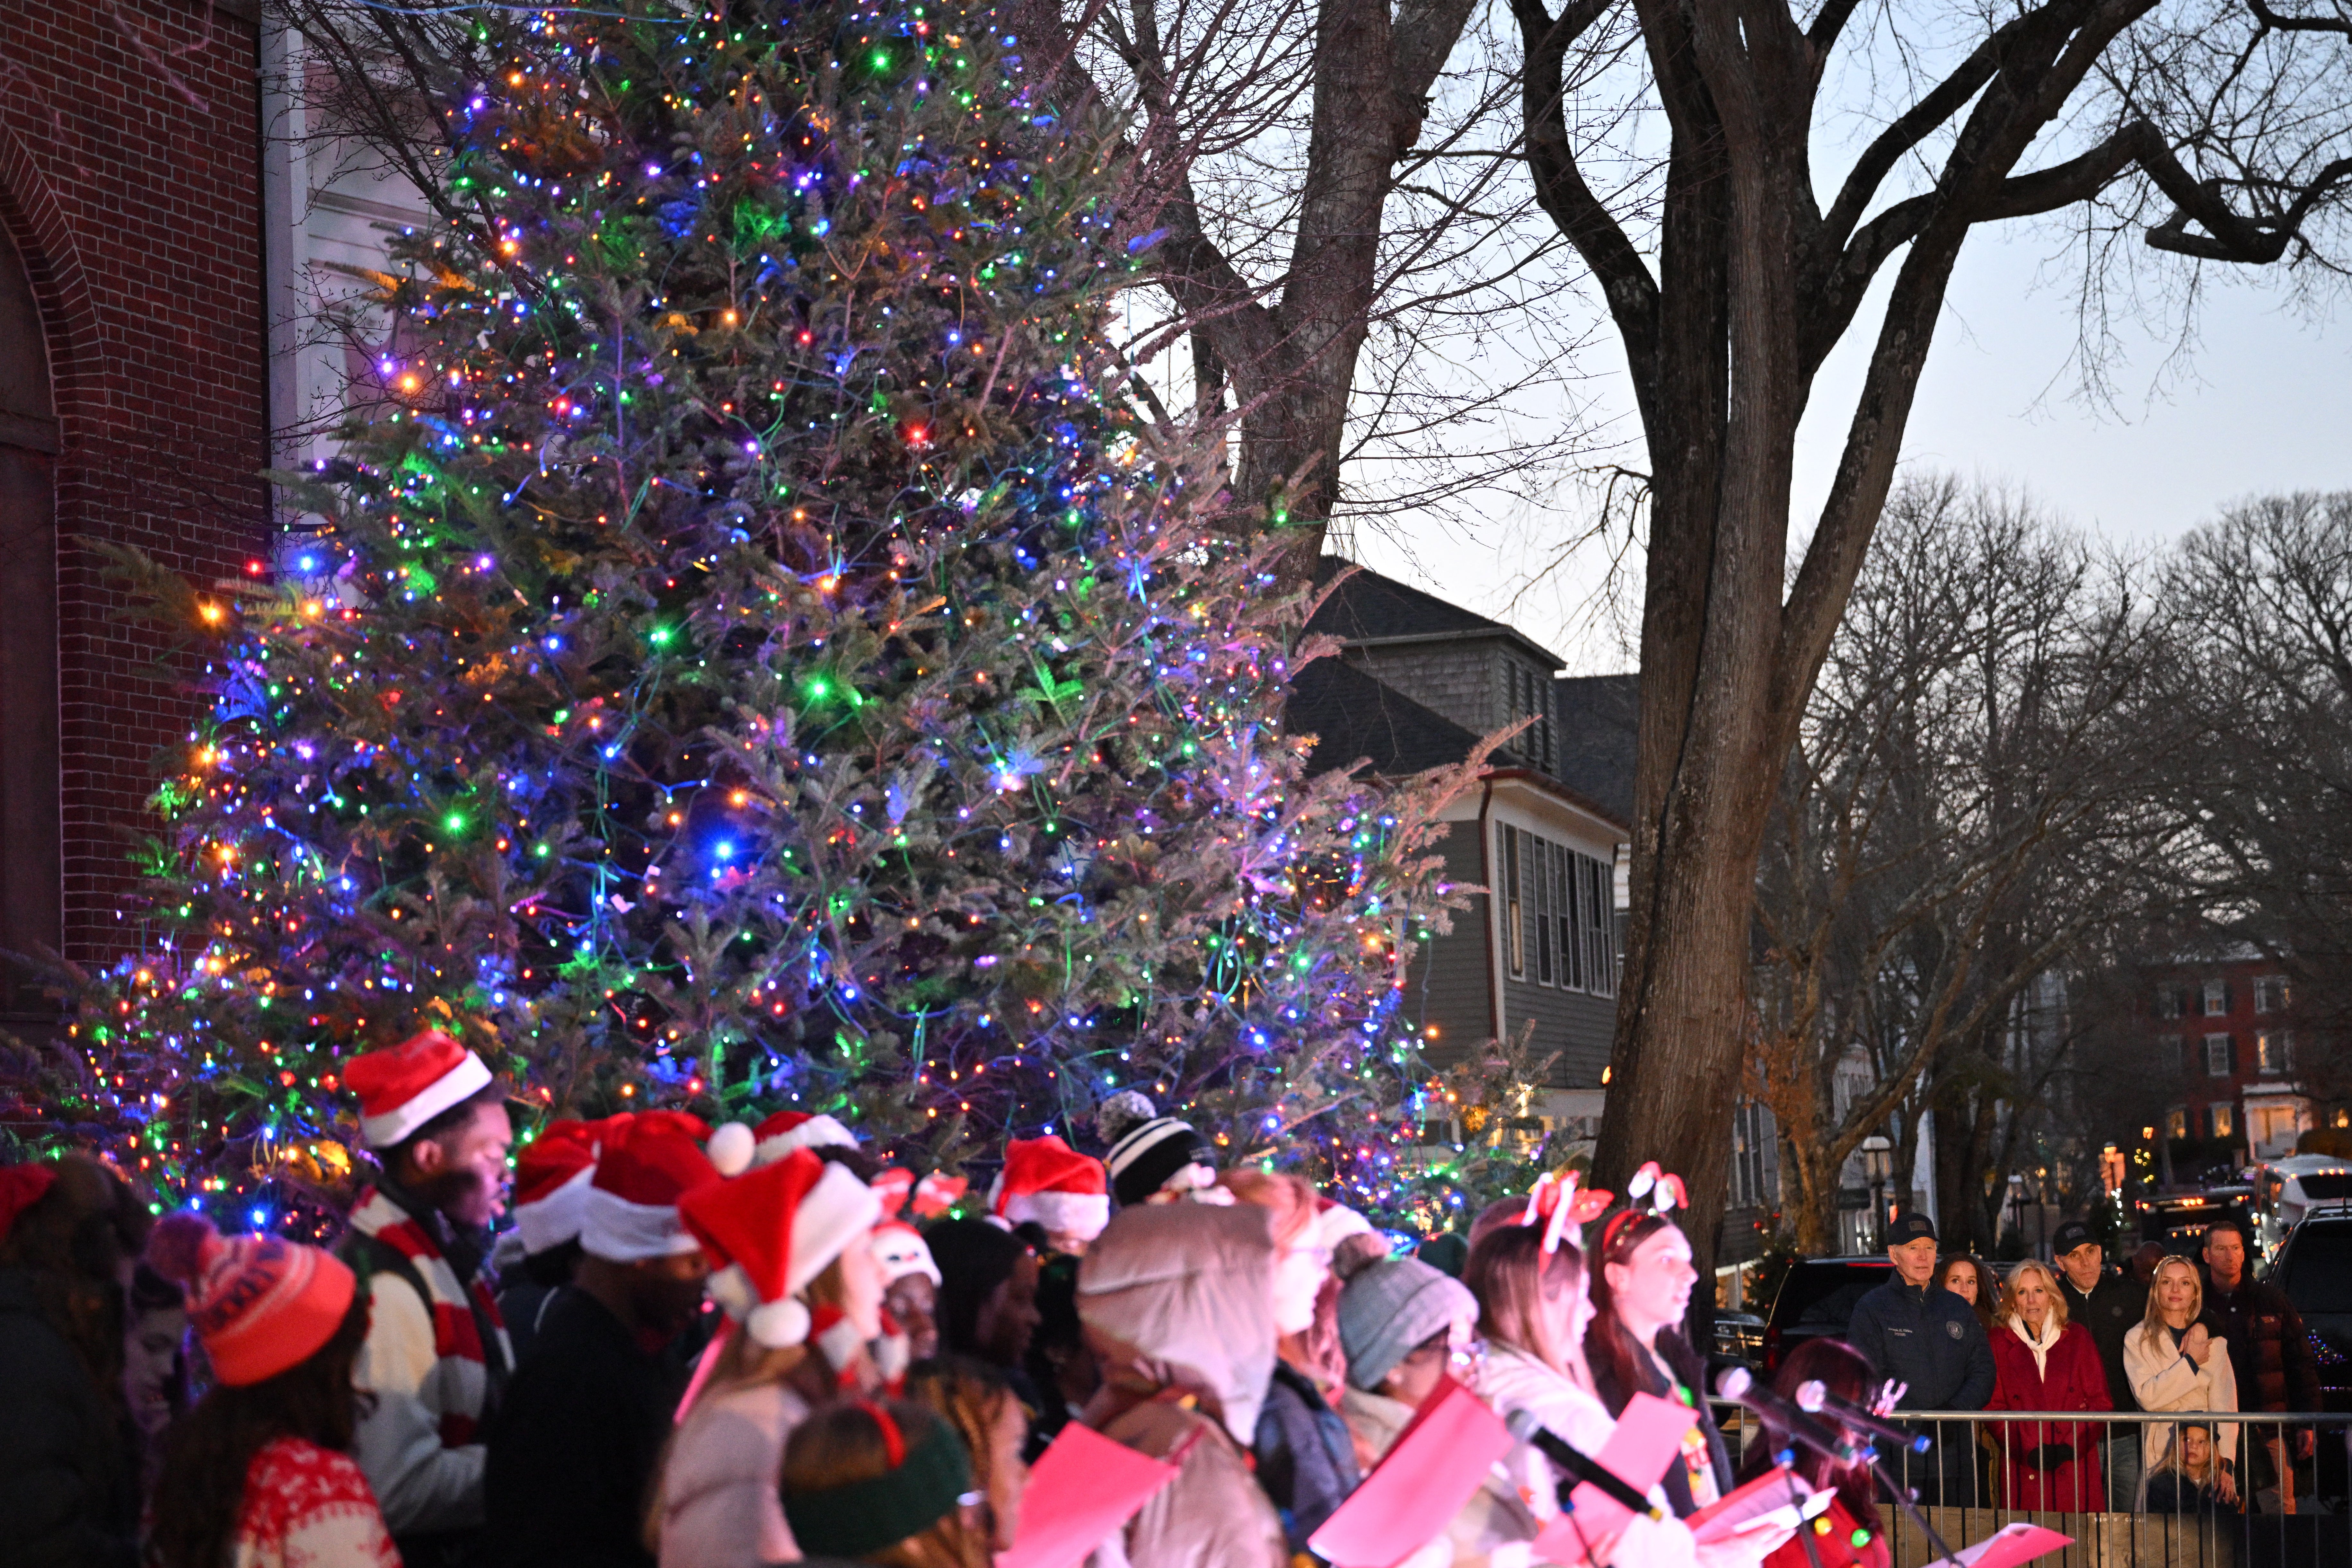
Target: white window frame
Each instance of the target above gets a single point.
(2217, 1056)
(2216, 999)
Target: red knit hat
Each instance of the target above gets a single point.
(261, 1304)
(786, 1131)
(771, 1231)
(1045, 1180)
(404, 1087)
(644, 1167)
(551, 1184)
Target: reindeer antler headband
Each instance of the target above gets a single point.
(1555, 1200)
(1652, 1190)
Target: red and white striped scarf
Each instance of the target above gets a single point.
(459, 1390)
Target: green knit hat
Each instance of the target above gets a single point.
(924, 1484)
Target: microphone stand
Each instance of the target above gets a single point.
(1909, 1504)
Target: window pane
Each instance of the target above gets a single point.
(1542, 847)
(1571, 955)
(2217, 1056)
(1512, 940)
(2217, 998)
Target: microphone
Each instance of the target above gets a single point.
(1814, 1397)
(1526, 1428)
(1739, 1385)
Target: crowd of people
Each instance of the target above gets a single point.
(719, 1348)
(2166, 1332)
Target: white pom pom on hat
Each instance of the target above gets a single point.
(732, 1147)
(772, 1230)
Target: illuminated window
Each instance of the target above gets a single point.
(2225, 1120)
(2217, 998)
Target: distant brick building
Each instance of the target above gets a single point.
(134, 410)
(2220, 1029)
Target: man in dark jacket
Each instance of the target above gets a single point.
(573, 1450)
(1929, 1338)
(2270, 1353)
(2107, 1302)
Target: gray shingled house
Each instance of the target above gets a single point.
(1418, 682)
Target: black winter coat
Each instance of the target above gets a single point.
(1929, 1338)
(1305, 1461)
(2116, 1305)
(68, 1489)
(1691, 1372)
(2270, 1350)
(573, 1448)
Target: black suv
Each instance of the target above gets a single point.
(1817, 1298)
(2314, 1267)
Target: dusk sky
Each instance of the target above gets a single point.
(2262, 402)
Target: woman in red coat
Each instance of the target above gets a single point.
(2041, 1361)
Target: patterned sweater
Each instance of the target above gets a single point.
(307, 1507)
(435, 1357)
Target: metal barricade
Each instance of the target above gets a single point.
(2117, 1483)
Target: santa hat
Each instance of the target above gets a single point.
(404, 1087)
(1158, 1153)
(936, 1192)
(645, 1168)
(1335, 1221)
(901, 1250)
(261, 1304)
(22, 1187)
(786, 1131)
(551, 1184)
(771, 1231)
(891, 1185)
(1045, 1180)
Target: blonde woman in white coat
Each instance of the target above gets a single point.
(2176, 1362)
(1533, 1307)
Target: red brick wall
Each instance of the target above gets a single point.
(137, 213)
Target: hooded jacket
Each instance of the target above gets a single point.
(1181, 1297)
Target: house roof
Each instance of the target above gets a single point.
(1600, 717)
(1351, 715)
(1371, 608)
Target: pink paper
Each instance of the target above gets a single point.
(1421, 1482)
(1081, 1490)
(2007, 1547)
(1649, 1438)
(1777, 1498)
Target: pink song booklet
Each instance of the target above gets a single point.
(1424, 1479)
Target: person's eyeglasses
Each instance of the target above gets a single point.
(1473, 1354)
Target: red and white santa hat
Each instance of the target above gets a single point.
(1045, 1180)
(771, 1231)
(551, 1184)
(901, 1250)
(404, 1087)
(645, 1169)
(786, 1131)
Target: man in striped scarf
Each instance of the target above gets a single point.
(437, 1356)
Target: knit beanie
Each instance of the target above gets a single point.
(261, 1304)
(925, 1480)
(1389, 1307)
(1153, 1152)
(974, 1257)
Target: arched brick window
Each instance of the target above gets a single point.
(31, 864)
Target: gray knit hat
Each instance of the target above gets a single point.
(1391, 1306)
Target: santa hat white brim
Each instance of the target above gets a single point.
(396, 1126)
(817, 1133)
(619, 1231)
(1066, 1214)
(557, 1217)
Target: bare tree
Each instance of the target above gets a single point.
(2267, 674)
(1365, 292)
(1968, 798)
(1673, 142)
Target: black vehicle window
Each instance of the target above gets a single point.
(2328, 1187)
(1819, 1300)
(2317, 1276)
(1832, 1313)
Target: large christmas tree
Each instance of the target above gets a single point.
(761, 655)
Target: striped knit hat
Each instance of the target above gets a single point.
(1156, 1154)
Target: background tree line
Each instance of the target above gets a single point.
(2032, 768)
